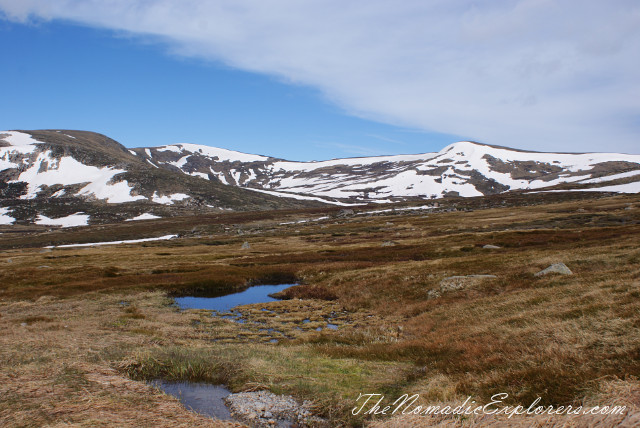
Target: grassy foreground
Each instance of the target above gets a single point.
(82, 328)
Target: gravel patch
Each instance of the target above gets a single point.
(266, 409)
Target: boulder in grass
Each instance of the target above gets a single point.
(246, 246)
(346, 212)
(490, 247)
(559, 268)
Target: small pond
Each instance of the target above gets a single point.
(255, 294)
(201, 398)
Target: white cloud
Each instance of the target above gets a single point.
(538, 74)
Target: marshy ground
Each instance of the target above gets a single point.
(83, 328)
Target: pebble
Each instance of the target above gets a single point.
(266, 409)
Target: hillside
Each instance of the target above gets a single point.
(69, 178)
(460, 169)
(72, 178)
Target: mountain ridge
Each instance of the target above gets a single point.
(54, 174)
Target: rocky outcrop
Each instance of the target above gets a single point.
(558, 268)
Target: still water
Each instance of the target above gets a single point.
(255, 294)
(201, 398)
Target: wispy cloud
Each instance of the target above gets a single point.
(386, 139)
(537, 74)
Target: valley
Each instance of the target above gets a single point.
(438, 298)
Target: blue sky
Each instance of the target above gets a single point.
(66, 76)
(322, 79)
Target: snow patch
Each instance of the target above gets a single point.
(619, 188)
(611, 177)
(305, 221)
(214, 152)
(47, 170)
(145, 216)
(73, 220)
(168, 199)
(20, 142)
(129, 241)
(4, 218)
(199, 174)
(20, 145)
(299, 197)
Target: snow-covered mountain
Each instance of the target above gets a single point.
(70, 178)
(460, 169)
(60, 177)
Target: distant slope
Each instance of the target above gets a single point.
(69, 178)
(460, 169)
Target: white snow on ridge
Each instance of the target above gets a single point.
(168, 199)
(145, 216)
(464, 156)
(47, 170)
(173, 148)
(73, 220)
(474, 154)
(129, 241)
(573, 161)
(397, 176)
(221, 154)
(5, 218)
(313, 165)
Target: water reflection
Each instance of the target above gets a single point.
(255, 294)
(202, 398)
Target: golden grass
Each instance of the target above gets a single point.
(84, 327)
